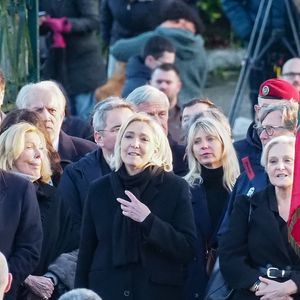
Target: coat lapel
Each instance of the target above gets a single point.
(66, 148)
(3, 187)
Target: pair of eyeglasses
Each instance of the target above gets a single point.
(268, 128)
(291, 74)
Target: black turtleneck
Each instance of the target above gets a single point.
(216, 194)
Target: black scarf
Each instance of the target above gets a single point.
(127, 235)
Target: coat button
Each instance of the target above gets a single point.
(126, 293)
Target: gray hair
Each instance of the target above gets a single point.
(102, 108)
(80, 294)
(144, 94)
(32, 91)
(289, 110)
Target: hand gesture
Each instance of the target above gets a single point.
(134, 209)
(40, 286)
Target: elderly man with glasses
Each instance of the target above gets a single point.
(276, 113)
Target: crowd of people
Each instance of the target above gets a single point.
(149, 194)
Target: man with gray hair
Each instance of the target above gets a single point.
(47, 99)
(5, 276)
(80, 294)
(155, 103)
(108, 117)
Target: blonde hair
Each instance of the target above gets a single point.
(163, 156)
(229, 159)
(282, 140)
(12, 144)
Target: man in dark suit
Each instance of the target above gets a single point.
(74, 184)
(48, 100)
(20, 227)
(155, 103)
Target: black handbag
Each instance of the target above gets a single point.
(217, 288)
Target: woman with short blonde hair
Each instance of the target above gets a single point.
(12, 144)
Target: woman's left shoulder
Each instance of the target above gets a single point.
(171, 178)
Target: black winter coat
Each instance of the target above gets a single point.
(125, 19)
(166, 245)
(56, 224)
(82, 57)
(248, 245)
(72, 148)
(20, 227)
(75, 182)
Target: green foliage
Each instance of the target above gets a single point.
(211, 10)
(15, 47)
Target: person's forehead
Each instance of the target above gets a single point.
(266, 102)
(159, 74)
(293, 67)
(117, 115)
(153, 105)
(40, 102)
(195, 109)
(139, 127)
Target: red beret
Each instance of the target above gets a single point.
(278, 89)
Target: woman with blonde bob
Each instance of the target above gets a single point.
(23, 151)
(213, 169)
(138, 231)
(256, 243)
(12, 145)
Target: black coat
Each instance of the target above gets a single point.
(125, 19)
(57, 231)
(56, 224)
(71, 148)
(20, 227)
(248, 245)
(166, 244)
(85, 70)
(75, 182)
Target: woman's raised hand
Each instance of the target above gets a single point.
(134, 209)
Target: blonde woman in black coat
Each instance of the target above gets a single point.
(23, 152)
(138, 231)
